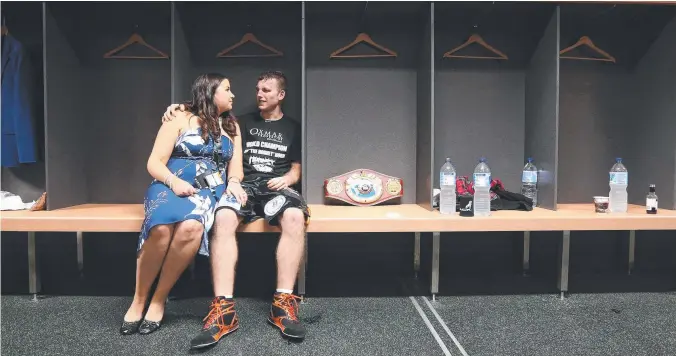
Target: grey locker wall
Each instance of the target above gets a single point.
(653, 122)
(425, 104)
(480, 114)
(303, 99)
(361, 113)
(180, 59)
(594, 98)
(480, 103)
(599, 100)
(212, 27)
(542, 113)
(122, 100)
(67, 135)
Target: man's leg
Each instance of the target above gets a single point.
(222, 318)
(290, 248)
(287, 209)
(223, 249)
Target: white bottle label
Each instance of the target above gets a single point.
(651, 203)
(529, 177)
(619, 178)
(447, 179)
(482, 180)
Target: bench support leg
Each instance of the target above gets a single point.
(416, 255)
(33, 276)
(301, 272)
(80, 254)
(435, 265)
(632, 249)
(564, 257)
(526, 252)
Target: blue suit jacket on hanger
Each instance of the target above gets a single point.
(18, 136)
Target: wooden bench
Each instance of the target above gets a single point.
(393, 218)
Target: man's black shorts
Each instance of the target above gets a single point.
(262, 202)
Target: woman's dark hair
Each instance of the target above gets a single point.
(203, 106)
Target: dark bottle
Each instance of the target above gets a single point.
(651, 201)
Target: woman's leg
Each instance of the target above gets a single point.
(183, 248)
(148, 265)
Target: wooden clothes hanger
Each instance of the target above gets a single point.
(135, 39)
(475, 38)
(249, 37)
(585, 40)
(363, 38)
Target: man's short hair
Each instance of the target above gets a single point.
(274, 74)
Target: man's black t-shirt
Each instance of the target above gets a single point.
(269, 147)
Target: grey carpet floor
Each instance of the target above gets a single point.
(583, 324)
(359, 287)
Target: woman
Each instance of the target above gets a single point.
(178, 211)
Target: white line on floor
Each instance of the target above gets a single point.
(429, 326)
(443, 325)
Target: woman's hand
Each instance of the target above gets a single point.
(235, 189)
(182, 188)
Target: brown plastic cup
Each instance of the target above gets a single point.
(601, 204)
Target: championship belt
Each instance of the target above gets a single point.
(363, 187)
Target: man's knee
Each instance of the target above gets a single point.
(293, 219)
(226, 222)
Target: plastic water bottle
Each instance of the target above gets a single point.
(529, 181)
(619, 179)
(447, 196)
(482, 189)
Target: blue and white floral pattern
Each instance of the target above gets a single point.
(191, 157)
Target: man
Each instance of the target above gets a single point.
(271, 157)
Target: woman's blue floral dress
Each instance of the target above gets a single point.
(191, 157)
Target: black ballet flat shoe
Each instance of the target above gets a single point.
(129, 327)
(148, 327)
